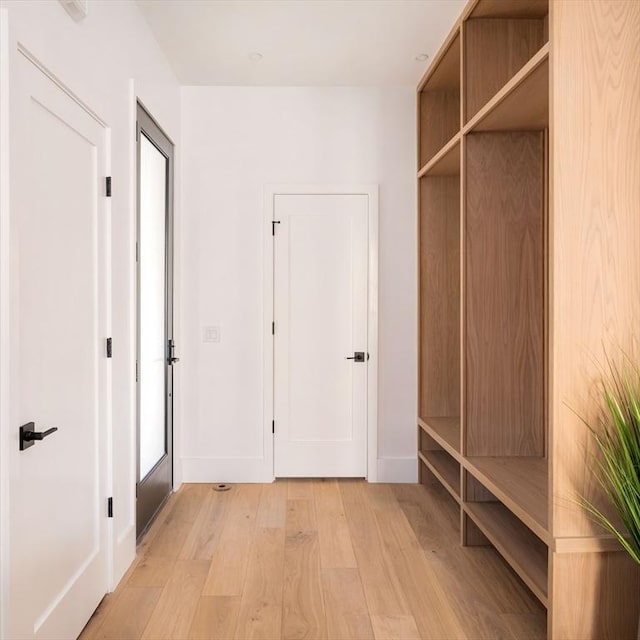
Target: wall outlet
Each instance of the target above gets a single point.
(211, 334)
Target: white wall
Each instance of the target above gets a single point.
(107, 60)
(236, 140)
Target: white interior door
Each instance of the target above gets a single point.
(320, 313)
(59, 232)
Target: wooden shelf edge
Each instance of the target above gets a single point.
(433, 433)
(539, 58)
(441, 479)
(506, 548)
(440, 54)
(441, 155)
(587, 544)
(537, 527)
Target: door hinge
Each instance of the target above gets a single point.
(136, 371)
(107, 186)
(273, 426)
(273, 226)
(137, 252)
(273, 328)
(109, 347)
(110, 507)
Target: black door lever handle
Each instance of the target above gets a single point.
(28, 436)
(358, 356)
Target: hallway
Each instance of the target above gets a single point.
(315, 559)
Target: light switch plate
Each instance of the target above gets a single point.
(211, 334)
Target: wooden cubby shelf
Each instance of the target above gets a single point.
(526, 554)
(445, 431)
(496, 49)
(445, 469)
(522, 104)
(439, 102)
(520, 483)
(526, 153)
(446, 162)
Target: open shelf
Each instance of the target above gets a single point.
(439, 103)
(445, 431)
(526, 554)
(510, 9)
(439, 296)
(521, 484)
(445, 469)
(522, 104)
(496, 49)
(446, 162)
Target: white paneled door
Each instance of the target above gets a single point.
(59, 370)
(320, 340)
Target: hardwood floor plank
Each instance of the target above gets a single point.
(230, 557)
(129, 615)
(429, 604)
(178, 523)
(381, 585)
(206, 531)
(151, 571)
(301, 515)
(272, 511)
(172, 617)
(394, 627)
(261, 603)
(303, 616)
(345, 605)
(215, 618)
(299, 488)
(335, 540)
(409, 573)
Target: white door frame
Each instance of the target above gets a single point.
(371, 191)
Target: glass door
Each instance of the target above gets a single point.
(156, 357)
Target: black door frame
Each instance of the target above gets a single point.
(153, 490)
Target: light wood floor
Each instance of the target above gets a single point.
(315, 559)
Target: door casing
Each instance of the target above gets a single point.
(371, 191)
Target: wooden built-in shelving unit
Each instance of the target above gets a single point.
(516, 158)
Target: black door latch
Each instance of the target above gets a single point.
(28, 437)
(358, 356)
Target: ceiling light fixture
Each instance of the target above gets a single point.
(255, 56)
(422, 57)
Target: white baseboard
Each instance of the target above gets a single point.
(226, 470)
(398, 469)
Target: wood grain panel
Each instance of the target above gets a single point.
(439, 121)
(504, 296)
(440, 296)
(495, 50)
(594, 596)
(511, 9)
(595, 202)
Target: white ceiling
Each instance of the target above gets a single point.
(303, 42)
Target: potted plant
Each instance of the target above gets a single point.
(617, 467)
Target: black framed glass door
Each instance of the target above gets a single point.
(155, 357)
